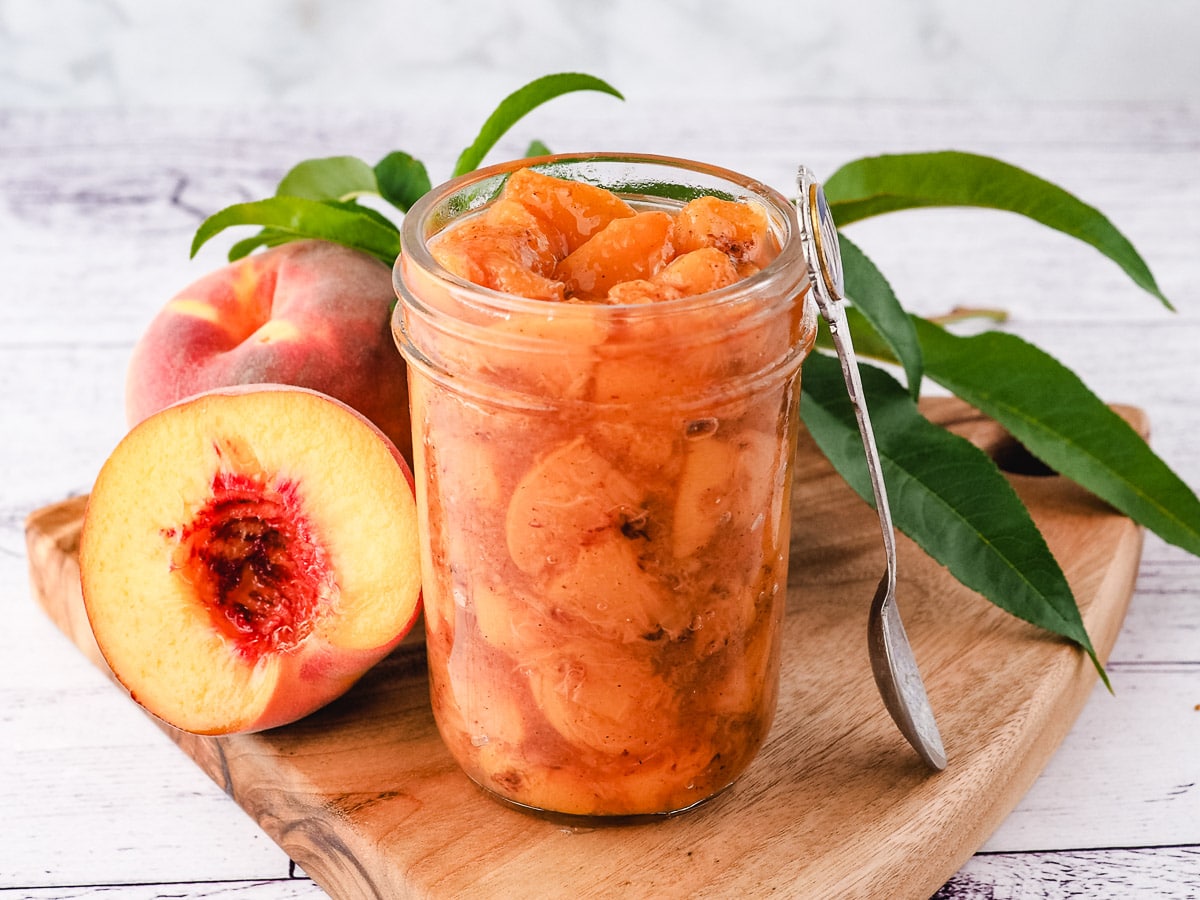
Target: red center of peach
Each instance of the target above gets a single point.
(252, 558)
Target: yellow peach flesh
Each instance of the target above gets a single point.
(573, 490)
(571, 211)
(625, 249)
(162, 641)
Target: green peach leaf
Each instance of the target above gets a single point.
(352, 226)
(267, 237)
(882, 184)
(1058, 419)
(536, 148)
(329, 178)
(870, 293)
(867, 342)
(946, 494)
(402, 179)
(518, 104)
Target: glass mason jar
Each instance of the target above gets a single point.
(604, 504)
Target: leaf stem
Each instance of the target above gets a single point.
(967, 313)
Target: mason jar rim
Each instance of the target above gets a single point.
(416, 229)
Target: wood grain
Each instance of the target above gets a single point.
(365, 798)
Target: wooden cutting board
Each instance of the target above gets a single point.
(366, 799)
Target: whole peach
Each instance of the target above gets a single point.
(309, 313)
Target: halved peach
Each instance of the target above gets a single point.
(247, 554)
(604, 699)
(698, 272)
(640, 291)
(607, 585)
(505, 256)
(508, 622)
(549, 353)
(626, 249)
(738, 230)
(482, 699)
(702, 498)
(726, 483)
(571, 211)
(571, 497)
(649, 447)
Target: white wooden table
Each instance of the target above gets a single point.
(96, 215)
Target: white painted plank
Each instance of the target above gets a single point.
(1127, 774)
(133, 189)
(1168, 873)
(96, 795)
(264, 889)
(1163, 624)
(93, 791)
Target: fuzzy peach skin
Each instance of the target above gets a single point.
(247, 555)
(308, 313)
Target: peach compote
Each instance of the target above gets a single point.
(604, 388)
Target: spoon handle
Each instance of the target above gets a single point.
(834, 312)
(892, 661)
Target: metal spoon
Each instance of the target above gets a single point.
(892, 659)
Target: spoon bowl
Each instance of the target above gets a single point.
(899, 679)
